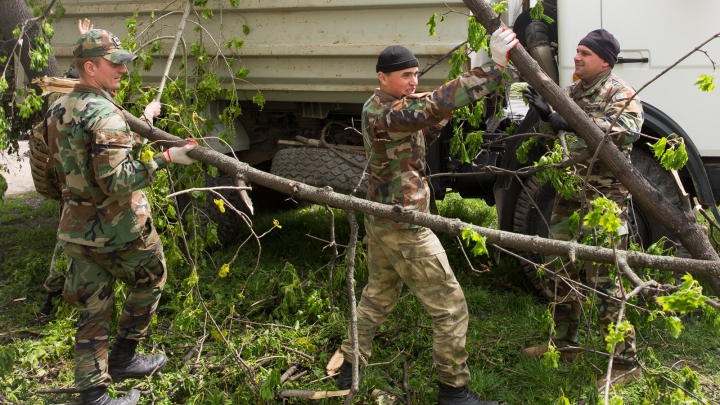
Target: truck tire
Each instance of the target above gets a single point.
(643, 227)
(322, 167)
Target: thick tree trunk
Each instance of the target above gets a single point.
(681, 222)
(434, 222)
(14, 13)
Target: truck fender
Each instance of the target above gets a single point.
(660, 124)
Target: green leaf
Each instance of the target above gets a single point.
(207, 14)
(432, 24)
(242, 73)
(537, 13)
(674, 325)
(551, 358)
(246, 29)
(48, 29)
(259, 99)
(562, 399)
(16, 33)
(500, 7)
(705, 82)
(687, 299)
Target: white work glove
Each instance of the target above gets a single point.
(152, 110)
(501, 42)
(178, 154)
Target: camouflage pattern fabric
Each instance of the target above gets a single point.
(101, 43)
(395, 131)
(56, 277)
(92, 145)
(416, 258)
(90, 287)
(602, 102)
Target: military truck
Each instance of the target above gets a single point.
(314, 62)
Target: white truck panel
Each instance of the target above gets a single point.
(297, 50)
(663, 31)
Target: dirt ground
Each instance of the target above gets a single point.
(17, 171)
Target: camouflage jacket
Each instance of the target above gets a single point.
(602, 102)
(92, 145)
(395, 131)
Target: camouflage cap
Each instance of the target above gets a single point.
(102, 43)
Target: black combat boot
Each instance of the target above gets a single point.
(459, 396)
(124, 362)
(47, 305)
(99, 396)
(344, 381)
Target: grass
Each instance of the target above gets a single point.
(272, 309)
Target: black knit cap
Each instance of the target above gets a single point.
(603, 44)
(395, 58)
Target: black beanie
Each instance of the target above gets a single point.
(395, 58)
(603, 44)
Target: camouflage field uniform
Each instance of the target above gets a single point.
(56, 277)
(106, 227)
(602, 102)
(395, 132)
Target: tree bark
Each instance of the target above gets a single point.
(14, 13)
(681, 222)
(437, 223)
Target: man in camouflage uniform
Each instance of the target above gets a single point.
(106, 227)
(395, 125)
(603, 96)
(56, 277)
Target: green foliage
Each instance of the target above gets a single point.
(267, 390)
(551, 358)
(30, 105)
(477, 36)
(605, 213)
(687, 299)
(524, 149)
(706, 82)
(617, 333)
(562, 399)
(565, 182)
(433, 24)
(7, 358)
(469, 235)
(259, 99)
(670, 151)
(537, 13)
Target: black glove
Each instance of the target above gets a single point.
(538, 103)
(558, 123)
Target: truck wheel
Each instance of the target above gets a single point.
(228, 223)
(643, 227)
(322, 167)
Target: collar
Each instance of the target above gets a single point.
(590, 85)
(385, 95)
(86, 88)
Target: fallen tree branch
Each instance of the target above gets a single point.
(453, 227)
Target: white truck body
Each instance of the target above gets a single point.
(662, 31)
(297, 50)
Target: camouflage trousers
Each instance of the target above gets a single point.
(566, 296)
(56, 277)
(416, 258)
(90, 286)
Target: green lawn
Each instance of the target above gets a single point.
(277, 307)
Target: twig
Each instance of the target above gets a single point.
(178, 36)
(299, 353)
(350, 278)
